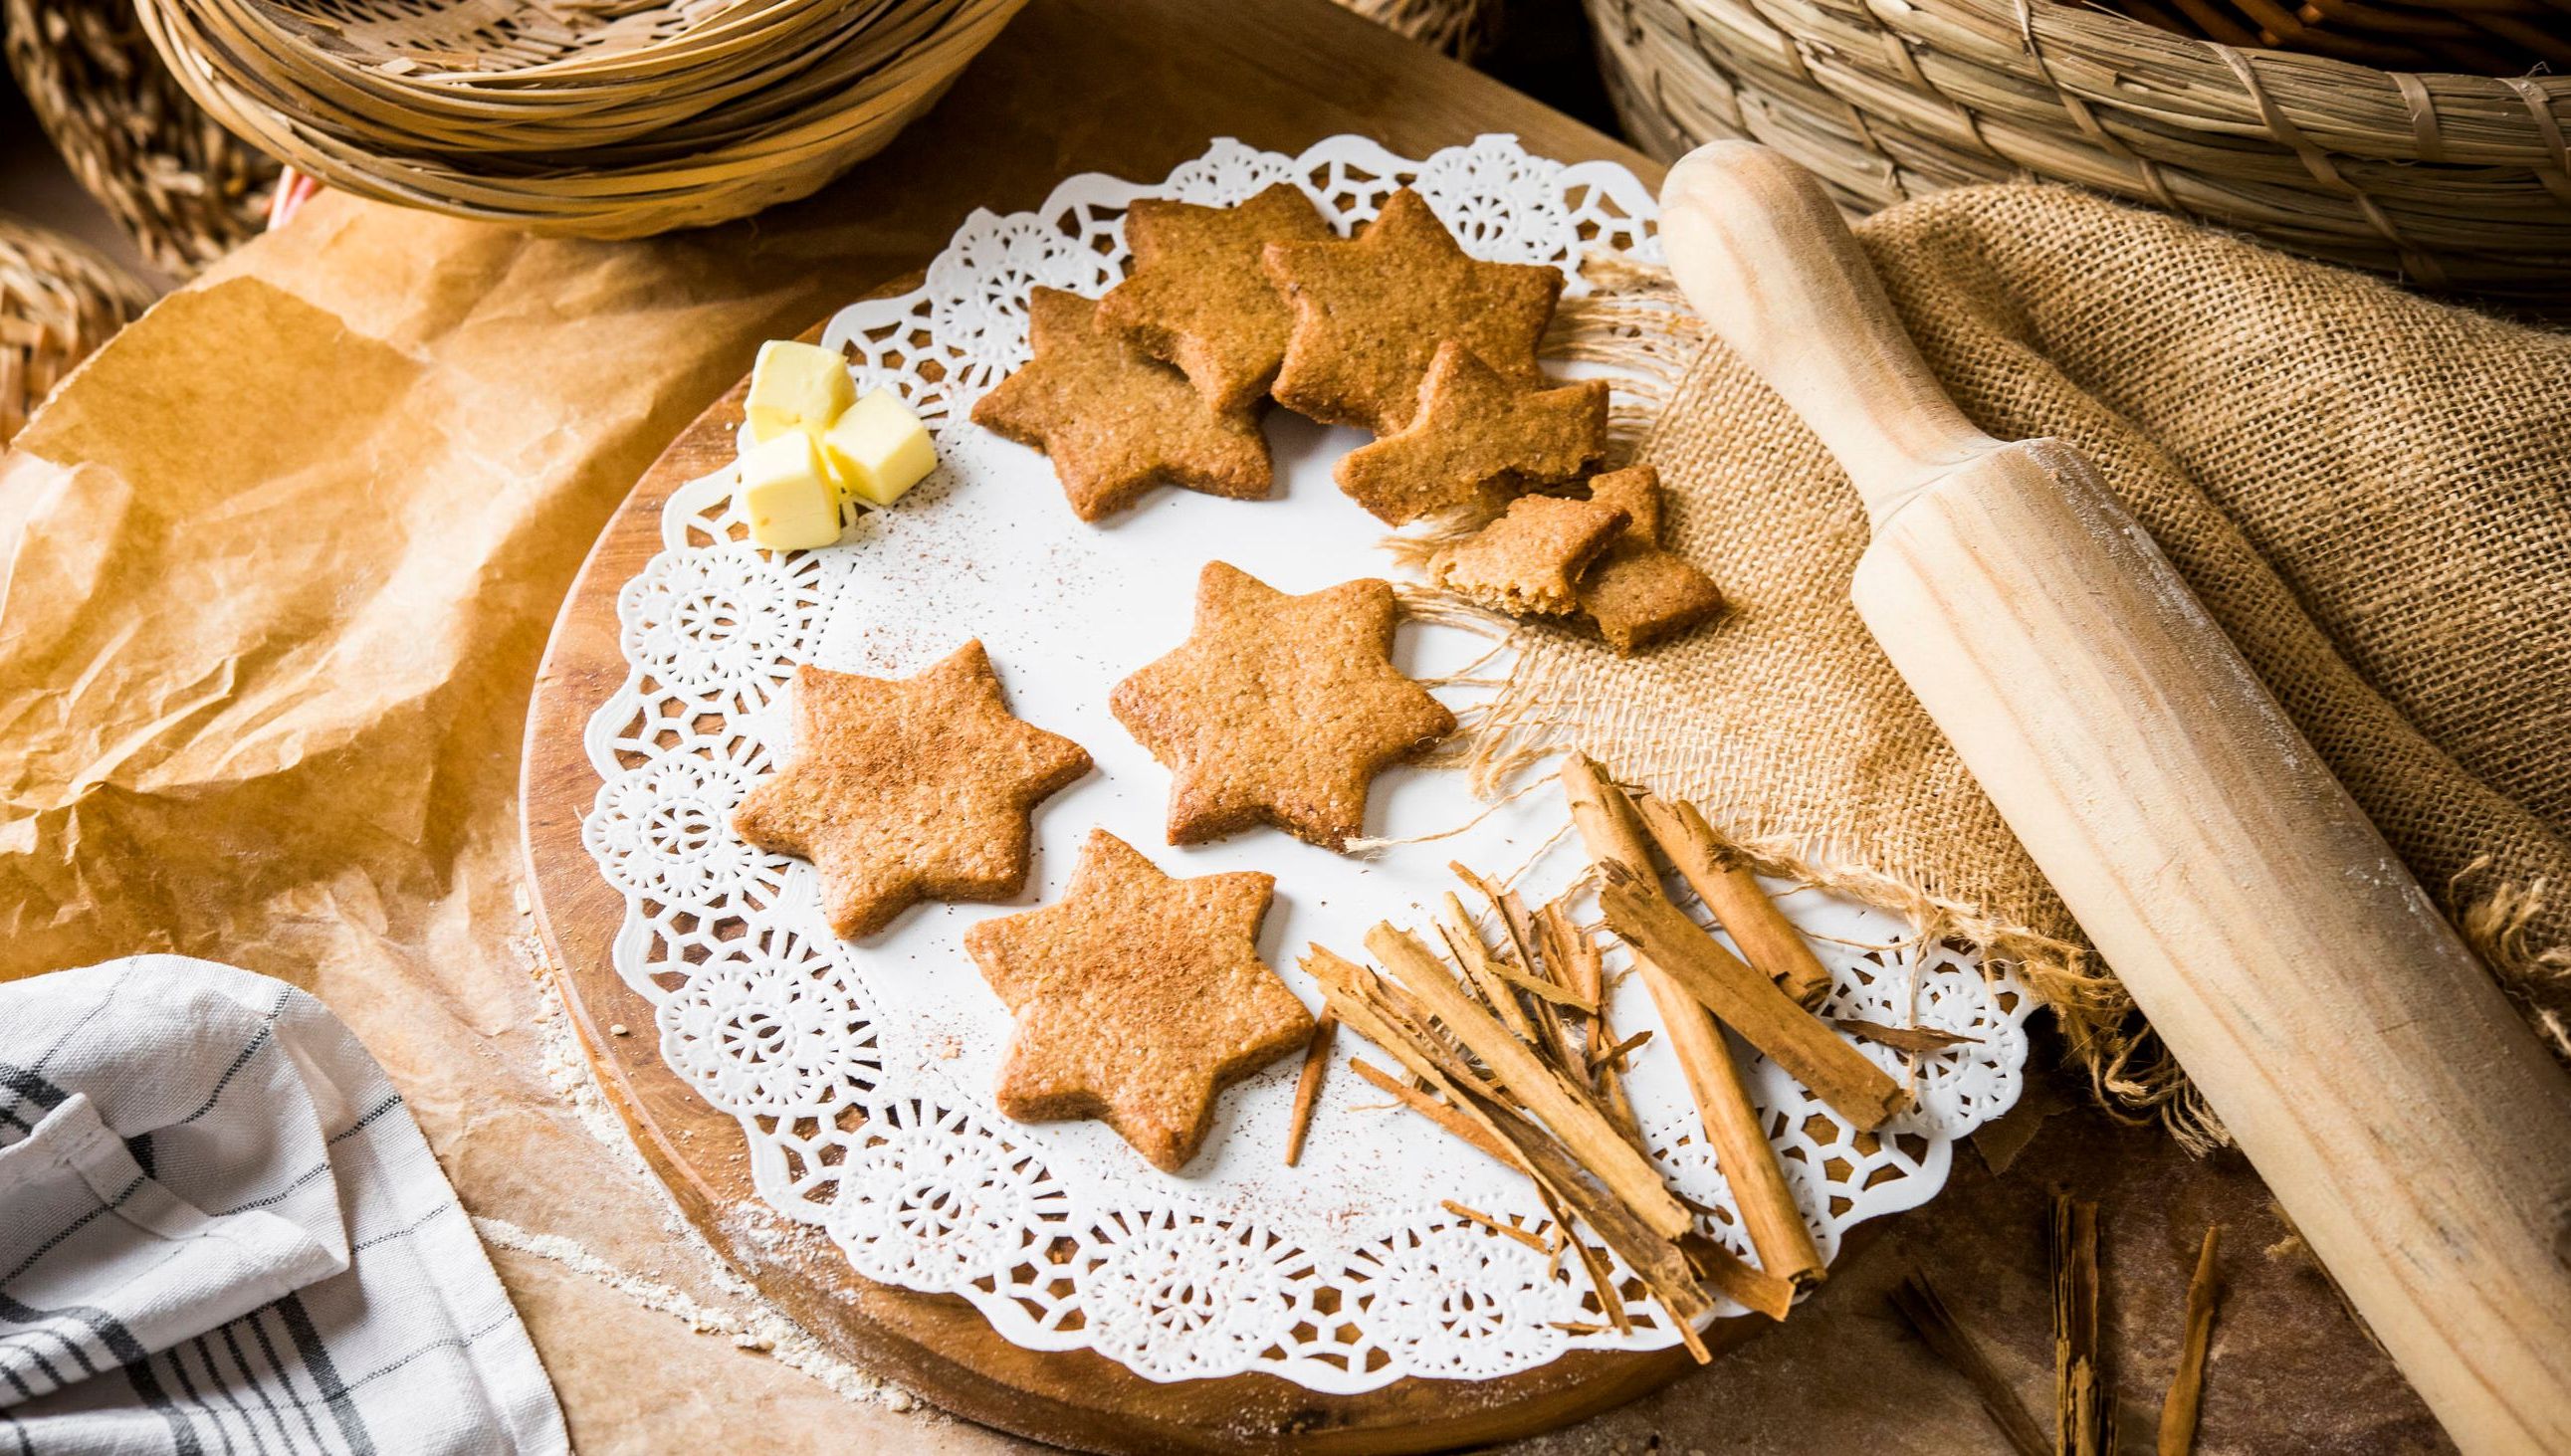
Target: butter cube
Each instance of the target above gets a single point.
(787, 494)
(796, 387)
(878, 449)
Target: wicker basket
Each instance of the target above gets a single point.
(57, 301)
(604, 119)
(187, 189)
(1460, 28)
(2455, 183)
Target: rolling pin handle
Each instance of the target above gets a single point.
(1764, 257)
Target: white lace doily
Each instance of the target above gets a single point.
(861, 1073)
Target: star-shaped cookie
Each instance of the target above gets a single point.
(1198, 296)
(1477, 440)
(1278, 710)
(1370, 312)
(1115, 423)
(1137, 999)
(907, 790)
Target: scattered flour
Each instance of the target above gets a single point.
(758, 1324)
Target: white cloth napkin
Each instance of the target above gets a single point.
(221, 1231)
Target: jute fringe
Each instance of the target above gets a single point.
(2050, 313)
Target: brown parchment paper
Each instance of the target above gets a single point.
(279, 566)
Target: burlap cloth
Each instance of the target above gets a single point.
(2367, 490)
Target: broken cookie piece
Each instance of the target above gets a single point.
(1528, 562)
(1638, 592)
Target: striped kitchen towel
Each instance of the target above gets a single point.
(221, 1231)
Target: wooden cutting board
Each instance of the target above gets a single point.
(936, 1345)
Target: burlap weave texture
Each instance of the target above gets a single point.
(2369, 491)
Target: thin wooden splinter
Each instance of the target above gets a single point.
(1924, 1040)
(1308, 1088)
(1437, 1109)
(1731, 1122)
(2187, 1387)
(1505, 1230)
(1920, 1305)
(1730, 888)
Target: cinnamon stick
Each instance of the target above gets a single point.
(2187, 1387)
(1380, 1010)
(1575, 958)
(1464, 942)
(1730, 888)
(1308, 1088)
(2084, 1410)
(1749, 1002)
(1569, 1111)
(1731, 1122)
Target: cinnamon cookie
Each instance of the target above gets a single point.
(1137, 999)
(1638, 592)
(908, 789)
(1115, 423)
(1477, 440)
(1278, 710)
(1198, 296)
(1525, 563)
(1370, 312)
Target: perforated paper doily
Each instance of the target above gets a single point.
(861, 1073)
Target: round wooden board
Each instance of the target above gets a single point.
(935, 1344)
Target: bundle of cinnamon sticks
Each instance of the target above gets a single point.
(1503, 1040)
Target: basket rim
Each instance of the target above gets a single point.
(788, 158)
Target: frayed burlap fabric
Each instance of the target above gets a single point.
(2369, 491)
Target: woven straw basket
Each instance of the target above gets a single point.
(187, 189)
(57, 301)
(2451, 182)
(604, 118)
(1460, 28)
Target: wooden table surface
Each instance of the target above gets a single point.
(1133, 86)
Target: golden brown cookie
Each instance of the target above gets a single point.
(1477, 440)
(1137, 999)
(1370, 312)
(1278, 710)
(1638, 592)
(907, 790)
(1198, 296)
(1525, 563)
(1115, 423)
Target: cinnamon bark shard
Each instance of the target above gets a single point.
(2187, 1387)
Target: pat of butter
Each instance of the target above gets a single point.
(787, 495)
(796, 387)
(878, 449)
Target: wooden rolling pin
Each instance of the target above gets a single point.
(2409, 1122)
